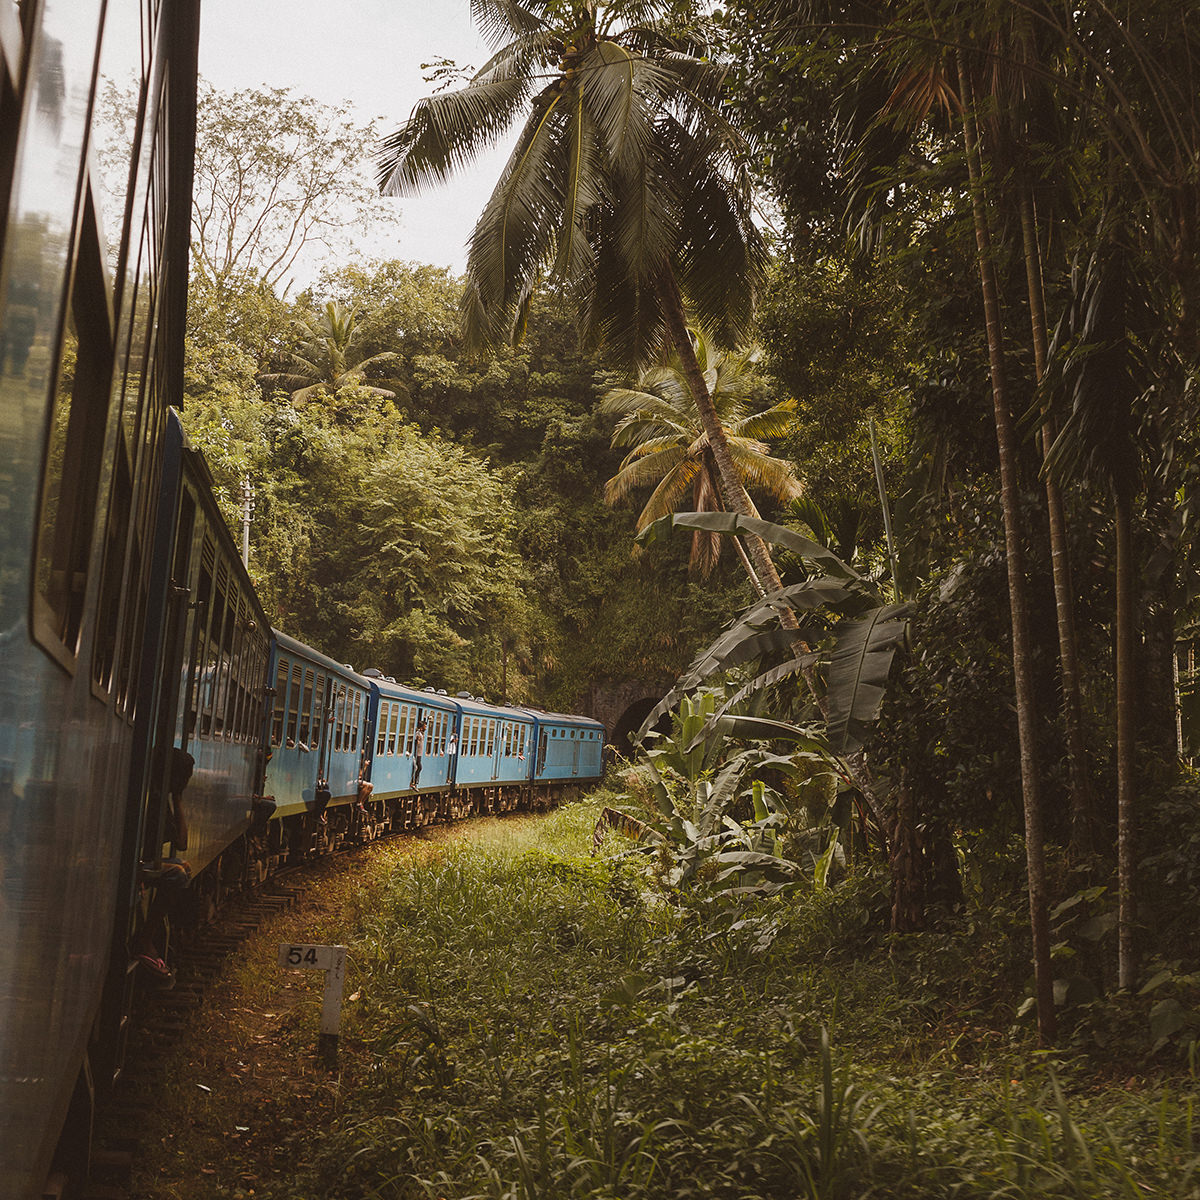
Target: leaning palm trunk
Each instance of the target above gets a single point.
(1064, 601)
(732, 491)
(1006, 445)
(762, 571)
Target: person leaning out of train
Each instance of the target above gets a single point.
(418, 752)
(363, 786)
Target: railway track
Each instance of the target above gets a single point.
(162, 1018)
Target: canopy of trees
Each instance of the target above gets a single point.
(979, 344)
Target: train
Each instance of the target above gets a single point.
(160, 743)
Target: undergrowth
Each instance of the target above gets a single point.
(533, 1023)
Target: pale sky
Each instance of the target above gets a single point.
(370, 53)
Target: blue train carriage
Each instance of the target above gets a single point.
(195, 758)
(569, 753)
(492, 766)
(397, 713)
(92, 304)
(203, 755)
(317, 746)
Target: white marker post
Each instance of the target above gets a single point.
(331, 960)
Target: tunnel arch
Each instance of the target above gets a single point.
(630, 722)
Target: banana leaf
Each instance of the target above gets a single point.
(779, 535)
(858, 671)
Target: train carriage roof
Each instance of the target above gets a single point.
(570, 719)
(298, 649)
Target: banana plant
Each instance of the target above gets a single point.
(693, 783)
(848, 615)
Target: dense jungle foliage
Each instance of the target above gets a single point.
(974, 326)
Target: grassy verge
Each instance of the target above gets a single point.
(530, 1022)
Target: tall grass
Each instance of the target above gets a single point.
(533, 1024)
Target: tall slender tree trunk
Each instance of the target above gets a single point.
(1126, 718)
(1082, 801)
(1006, 444)
(748, 566)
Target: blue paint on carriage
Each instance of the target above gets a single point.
(495, 745)
(316, 726)
(395, 713)
(568, 748)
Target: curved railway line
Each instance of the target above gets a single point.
(165, 1018)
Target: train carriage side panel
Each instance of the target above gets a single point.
(399, 711)
(319, 727)
(569, 749)
(221, 680)
(88, 363)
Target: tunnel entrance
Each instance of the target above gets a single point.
(631, 721)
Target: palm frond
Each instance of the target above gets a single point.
(516, 235)
(500, 20)
(649, 470)
(446, 132)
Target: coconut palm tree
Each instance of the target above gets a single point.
(628, 183)
(327, 358)
(670, 449)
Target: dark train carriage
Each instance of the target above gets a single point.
(90, 357)
(216, 642)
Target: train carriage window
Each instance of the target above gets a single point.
(281, 678)
(381, 723)
(74, 453)
(473, 735)
(393, 726)
(198, 625)
(252, 673)
(357, 722)
(339, 718)
(293, 710)
(441, 742)
(228, 625)
(318, 712)
(213, 719)
(491, 738)
(235, 699)
(304, 739)
(211, 658)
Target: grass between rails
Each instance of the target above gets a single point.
(530, 1022)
